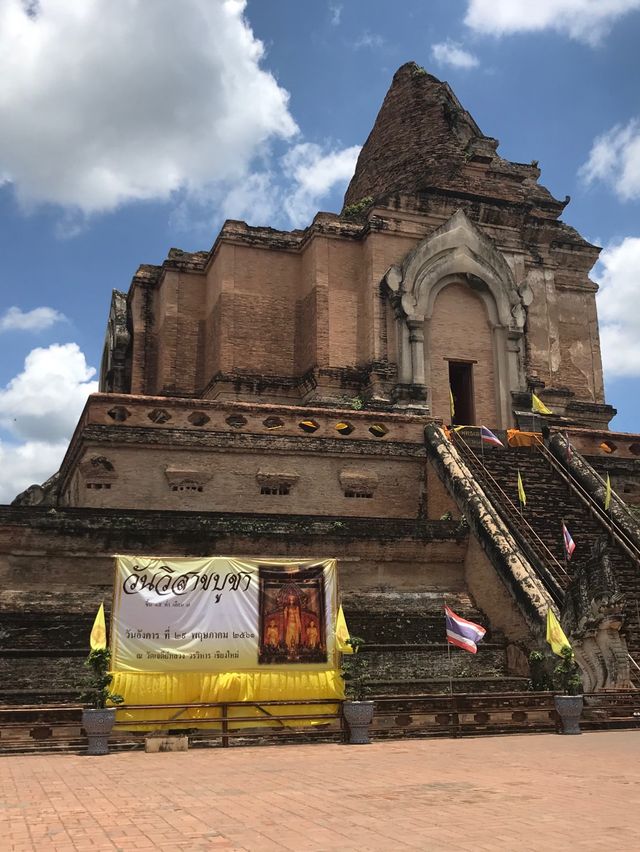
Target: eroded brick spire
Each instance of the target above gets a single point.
(423, 139)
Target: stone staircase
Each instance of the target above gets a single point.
(407, 651)
(42, 651)
(550, 500)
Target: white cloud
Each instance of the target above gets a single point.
(27, 464)
(38, 319)
(617, 274)
(314, 174)
(286, 195)
(39, 409)
(585, 20)
(453, 54)
(43, 402)
(615, 159)
(335, 11)
(367, 39)
(254, 199)
(103, 103)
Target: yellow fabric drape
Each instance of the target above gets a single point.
(198, 687)
(516, 438)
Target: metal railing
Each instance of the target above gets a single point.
(552, 572)
(430, 715)
(597, 511)
(225, 723)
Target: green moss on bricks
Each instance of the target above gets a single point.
(355, 210)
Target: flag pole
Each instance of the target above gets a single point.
(444, 598)
(481, 448)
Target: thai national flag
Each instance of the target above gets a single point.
(489, 438)
(462, 633)
(569, 543)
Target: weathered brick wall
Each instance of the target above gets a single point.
(179, 315)
(305, 354)
(213, 456)
(439, 501)
(579, 367)
(263, 324)
(70, 553)
(459, 331)
(347, 291)
(230, 482)
(491, 595)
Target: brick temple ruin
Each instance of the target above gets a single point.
(282, 394)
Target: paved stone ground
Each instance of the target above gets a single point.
(535, 792)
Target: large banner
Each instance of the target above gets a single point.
(219, 614)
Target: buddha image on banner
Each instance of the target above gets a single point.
(293, 626)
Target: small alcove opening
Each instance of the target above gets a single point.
(461, 386)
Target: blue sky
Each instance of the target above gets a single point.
(131, 127)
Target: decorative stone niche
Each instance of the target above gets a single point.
(181, 479)
(608, 447)
(275, 482)
(273, 423)
(236, 421)
(198, 418)
(378, 430)
(119, 413)
(358, 483)
(98, 473)
(344, 428)
(159, 415)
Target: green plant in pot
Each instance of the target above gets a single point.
(568, 687)
(357, 709)
(99, 718)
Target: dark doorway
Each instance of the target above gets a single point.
(461, 384)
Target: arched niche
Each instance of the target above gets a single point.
(456, 253)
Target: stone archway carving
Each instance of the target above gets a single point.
(457, 251)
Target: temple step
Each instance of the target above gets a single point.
(418, 662)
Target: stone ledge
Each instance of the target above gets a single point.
(70, 521)
(178, 438)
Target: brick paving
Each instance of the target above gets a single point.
(534, 792)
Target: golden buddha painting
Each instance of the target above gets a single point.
(292, 616)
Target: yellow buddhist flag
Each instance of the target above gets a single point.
(538, 405)
(522, 497)
(607, 494)
(555, 634)
(342, 634)
(98, 638)
(452, 407)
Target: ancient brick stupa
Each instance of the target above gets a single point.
(270, 395)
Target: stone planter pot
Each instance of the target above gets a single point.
(358, 715)
(97, 725)
(569, 709)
